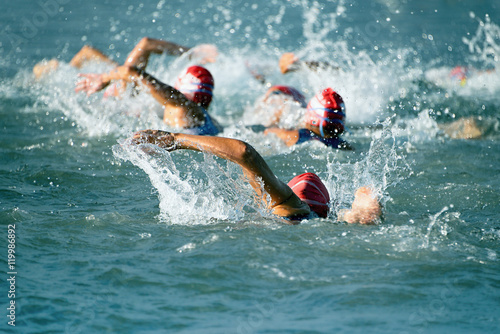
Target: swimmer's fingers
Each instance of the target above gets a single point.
(286, 62)
(91, 83)
(144, 137)
(167, 141)
(81, 86)
(115, 89)
(84, 85)
(163, 139)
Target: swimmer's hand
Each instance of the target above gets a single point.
(91, 83)
(287, 61)
(115, 89)
(206, 53)
(366, 208)
(163, 139)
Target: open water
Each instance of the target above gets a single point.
(108, 240)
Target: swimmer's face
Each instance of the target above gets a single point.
(327, 130)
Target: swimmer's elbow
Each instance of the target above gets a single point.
(246, 154)
(144, 42)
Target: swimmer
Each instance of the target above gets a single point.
(305, 196)
(185, 104)
(323, 122)
(140, 54)
(461, 74)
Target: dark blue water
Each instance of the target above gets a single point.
(108, 240)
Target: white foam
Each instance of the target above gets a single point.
(205, 192)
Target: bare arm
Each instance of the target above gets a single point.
(163, 93)
(45, 67)
(139, 56)
(366, 208)
(283, 201)
(89, 54)
(86, 55)
(290, 63)
(178, 110)
(289, 137)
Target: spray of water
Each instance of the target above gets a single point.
(191, 192)
(94, 115)
(484, 45)
(434, 220)
(382, 167)
(482, 79)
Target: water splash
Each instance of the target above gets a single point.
(382, 167)
(318, 24)
(263, 112)
(438, 220)
(440, 97)
(191, 192)
(482, 80)
(367, 85)
(423, 128)
(95, 115)
(485, 44)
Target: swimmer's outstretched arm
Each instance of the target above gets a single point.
(283, 201)
(289, 62)
(139, 56)
(89, 54)
(289, 137)
(163, 93)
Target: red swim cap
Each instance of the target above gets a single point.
(197, 84)
(326, 111)
(290, 91)
(312, 191)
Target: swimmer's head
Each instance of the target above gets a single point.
(197, 84)
(459, 73)
(309, 188)
(287, 91)
(326, 113)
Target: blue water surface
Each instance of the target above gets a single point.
(110, 241)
